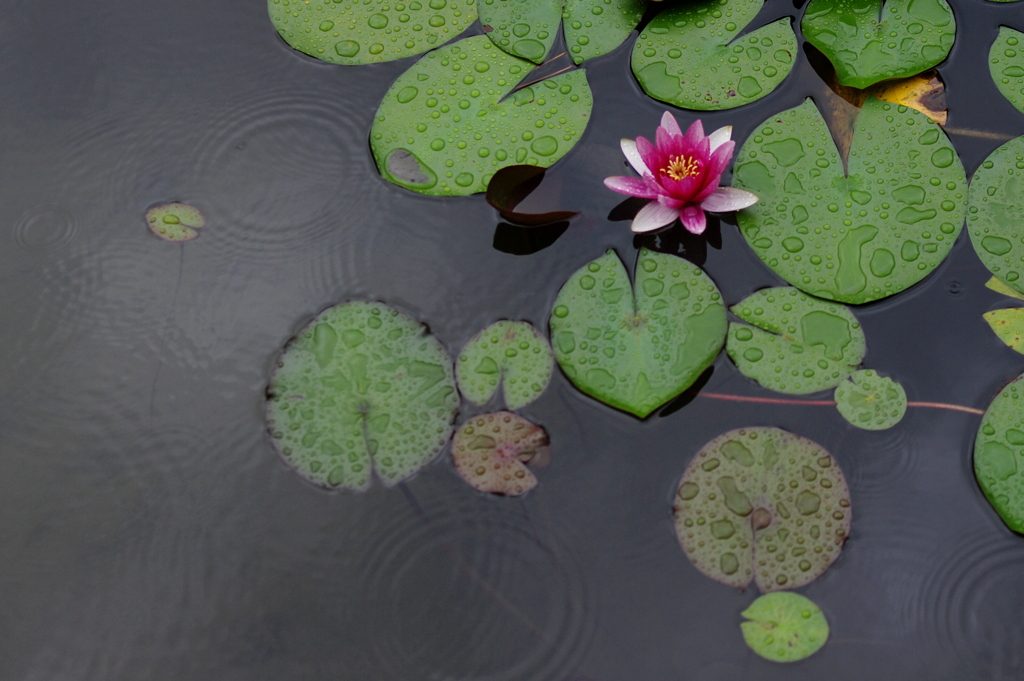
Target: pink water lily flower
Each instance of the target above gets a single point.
(681, 173)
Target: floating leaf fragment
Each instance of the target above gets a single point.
(361, 385)
(596, 27)
(175, 221)
(690, 56)
(1008, 324)
(796, 344)
(996, 212)
(1000, 286)
(523, 28)
(999, 454)
(860, 236)
(784, 627)
(371, 30)
(1006, 64)
(513, 354)
(491, 452)
(870, 401)
(445, 127)
(637, 349)
(765, 505)
(510, 186)
(868, 42)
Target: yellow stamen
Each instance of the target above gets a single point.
(680, 167)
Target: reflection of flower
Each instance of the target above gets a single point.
(684, 182)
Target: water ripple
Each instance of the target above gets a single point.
(45, 228)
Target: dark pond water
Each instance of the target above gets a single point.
(148, 530)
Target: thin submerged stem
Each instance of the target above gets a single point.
(830, 403)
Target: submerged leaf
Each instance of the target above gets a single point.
(510, 186)
(444, 129)
(762, 504)
(870, 401)
(1006, 64)
(1000, 286)
(596, 27)
(857, 237)
(797, 344)
(784, 627)
(689, 55)
(361, 383)
(1008, 324)
(636, 350)
(523, 28)
(868, 43)
(175, 221)
(998, 462)
(369, 31)
(511, 353)
(491, 452)
(997, 212)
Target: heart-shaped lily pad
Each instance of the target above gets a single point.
(523, 28)
(1008, 324)
(797, 344)
(689, 55)
(596, 27)
(863, 236)
(361, 382)
(491, 452)
(511, 353)
(997, 211)
(999, 454)
(784, 627)
(762, 504)
(868, 42)
(175, 221)
(636, 350)
(1006, 64)
(354, 32)
(870, 401)
(443, 128)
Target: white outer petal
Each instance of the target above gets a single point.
(728, 199)
(653, 216)
(633, 156)
(720, 137)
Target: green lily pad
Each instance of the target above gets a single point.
(351, 32)
(784, 627)
(491, 452)
(764, 505)
(1008, 324)
(997, 211)
(443, 128)
(523, 28)
(999, 286)
(1006, 64)
(689, 56)
(636, 350)
(596, 27)
(870, 401)
(867, 42)
(361, 383)
(513, 354)
(860, 237)
(175, 221)
(999, 454)
(797, 344)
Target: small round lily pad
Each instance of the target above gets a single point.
(999, 454)
(870, 401)
(362, 387)
(996, 212)
(513, 354)
(175, 221)
(523, 28)
(596, 27)
(784, 627)
(795, 343)
(765, 505)
(1006, 64)
(369, 31)
(491, 452)
(690, 56)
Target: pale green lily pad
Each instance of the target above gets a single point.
(362, 387)
(784, 627)
(797, 344)
(996, 213)
(763, 505)
(999, 454)
(596, 27)
(513, 354)
(175, 221)
(636, 350)
(523, 28)
(860, 237)
(442, 128)
(491, 452)
(1008, 324)
(870, 401)
(868, 43)
(369, 31)
(1006, 64)
(999, 286)
(689, 55)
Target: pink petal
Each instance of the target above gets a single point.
(668, 121)
(630, 186)
(669, 202)
(720, 137)
(654, 216)
(693, 219)
(648, 153)
(726, 199)
(633, 156)
(695, 133)
(717, 164)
